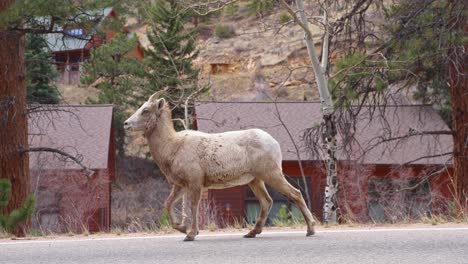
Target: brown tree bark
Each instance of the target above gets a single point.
(14, 165)
(459, 96)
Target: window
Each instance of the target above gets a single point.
(75, 32)
(103, 216)
(397, 199)
(252, 206)
(75, 63)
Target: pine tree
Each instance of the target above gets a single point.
(40, 72)
(120, 77)
(421, 47)
(169, 61)
(10, 221)
(16, 19)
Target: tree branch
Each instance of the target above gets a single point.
(89, 172)
(423, 180)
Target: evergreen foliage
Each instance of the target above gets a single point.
(283, 217)
(284, 18)
(40, 71)
(260, 7)
(120, 78)
(137, 9)
(224, 31)
(356, 75)
(169, 61)
(418, 49)
(24, 13)
(415, 54)
(231, 10)
(164, 221)
(9, 222)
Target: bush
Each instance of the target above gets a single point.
(260, 7)
(9, 222)
(224, 31)
(284, 18)
(283, 217)
(164, 221)
(231, 10)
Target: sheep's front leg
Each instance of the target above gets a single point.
(195, 195)
(174, 196)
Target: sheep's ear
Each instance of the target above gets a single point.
(161, 103)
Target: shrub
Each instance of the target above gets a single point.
(231, 10)
(224, 31)
(164, 222)
(284, 18)
(283, 217)
(260, 7)
(9, 222)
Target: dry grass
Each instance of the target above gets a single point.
(75, 94)
(4, 234)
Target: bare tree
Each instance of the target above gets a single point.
(329, 135)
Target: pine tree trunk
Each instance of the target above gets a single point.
(459, 94)
(14, 165)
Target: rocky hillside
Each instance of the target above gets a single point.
(264, 60)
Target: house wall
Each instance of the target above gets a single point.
(353, 194)
(70, 71)
(69, 65)
(67, 200)
(394, 192)
(234, 198)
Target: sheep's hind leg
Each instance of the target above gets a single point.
(260, 191)
(174, 196)
(280, 184)
(185, 208)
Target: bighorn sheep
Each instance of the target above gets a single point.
(193, 161)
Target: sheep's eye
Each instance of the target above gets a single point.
(145, 111)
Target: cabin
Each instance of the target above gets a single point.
(377, 176)
(68, 197)
(72, 50)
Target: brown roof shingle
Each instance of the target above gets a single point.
(215, 117)
(82, 131)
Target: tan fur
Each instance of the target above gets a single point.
(193, 161)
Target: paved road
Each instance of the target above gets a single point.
(411, 245)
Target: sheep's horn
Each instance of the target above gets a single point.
(156, 95)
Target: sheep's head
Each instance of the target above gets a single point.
(145, 117)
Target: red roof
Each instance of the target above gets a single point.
(82, 131)
(215, 117)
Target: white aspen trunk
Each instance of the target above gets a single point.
(330, 204)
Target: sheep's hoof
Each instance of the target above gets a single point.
(250, 235)
(310, 232)
(189, 238)
(182, 229)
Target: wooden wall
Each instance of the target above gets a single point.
(353, 186)
(67, 200)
